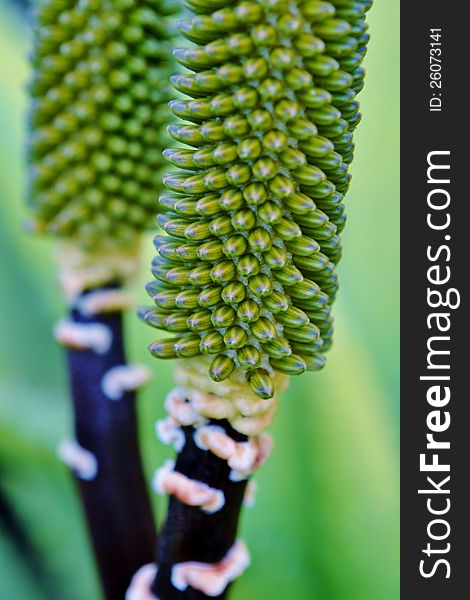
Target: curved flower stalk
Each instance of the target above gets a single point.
(246, 276)
(100, 69)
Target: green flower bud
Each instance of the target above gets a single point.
(309, 175)
(298, 79)
(187, 346)
(231, 200)
(187, 299)
(212, 343)
(314, 219)
(260, 120)
(259, 240)
(245, 98)
(263, 330)
(293, 317)
(179, 157)
(271, 89)
(233, 293)
(308, 45)
(264, 169)
(261, 383)
(216, 179)
(163, 348)
(200, 276)
(235, 337)
(322, 232)
(265, 35)
(175, 181)
(236, 126)
(186, 252)
(202, 158)
(210, 251)
(169, 200)
(313, 262)
(209, 296)
(304, 290)
(306, 334)
(299, 204)
(275, 258)
(224, 316)
(270, 213)
(249, 12)
(260, 285)
(287, 230)
(207, 205)
(235, 246)
(322, 66)
(278, 348)
(212, 131)
(199, 321)
(305, 350)
(332, 29)
(244, 220)
(240, 44)
(164, 298)
(254, 194)
(192, 110)
(249, 357)
(290, 365)
(288, 275)
(172, 226)
(175, 322)
(238, 174)
(248, 265)
(325, 115)
(221, 226)
(276, 302)
(151, 316)
(314, 303)
(223, 272)
(302, 129)
(221, 368)
(177, 276)
(188, 134)
(275, 141)
(316, 146)
(190, 185)
(248, 311)
(224, 153)
(287, 110)
(249, 149)
(282, 58)
(290, 24)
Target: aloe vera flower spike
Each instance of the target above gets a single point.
(245, 275)
(99, 91)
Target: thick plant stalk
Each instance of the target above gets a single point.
(99, 81)
(246, 276)
(193, 534)
(105, 457)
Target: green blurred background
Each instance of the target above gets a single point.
(325, 524)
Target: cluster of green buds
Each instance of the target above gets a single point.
(246, 270)
(100, 96)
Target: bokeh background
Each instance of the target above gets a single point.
(325, 524)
